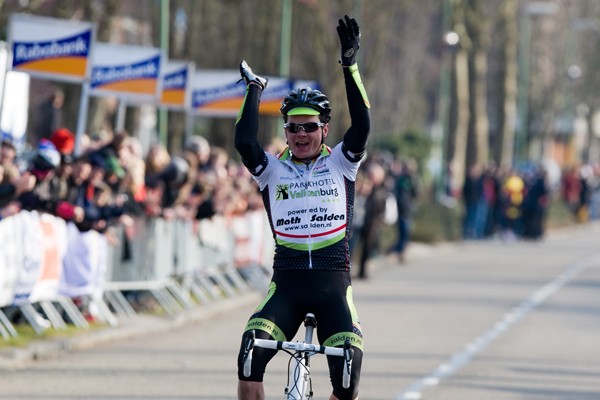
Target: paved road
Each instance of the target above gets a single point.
(477, 320)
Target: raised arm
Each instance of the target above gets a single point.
(355, 139)
(246, 125)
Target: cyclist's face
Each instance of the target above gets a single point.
(305, 144)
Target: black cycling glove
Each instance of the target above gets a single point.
(349, 34)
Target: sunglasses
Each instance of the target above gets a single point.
(307, 126)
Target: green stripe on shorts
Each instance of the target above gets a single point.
(339, 338)
(265, 325)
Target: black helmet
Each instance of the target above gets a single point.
(306, 101)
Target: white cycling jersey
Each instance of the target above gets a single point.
(310, 208)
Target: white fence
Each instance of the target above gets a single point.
(46, 262)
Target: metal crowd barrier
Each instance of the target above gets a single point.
(46, 262)
(180, 263)
(35, 278)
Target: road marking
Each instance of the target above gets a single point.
(464, 357)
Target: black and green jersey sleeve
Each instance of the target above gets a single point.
(246, 131)
(355, 139)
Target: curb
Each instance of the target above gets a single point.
(129, 327)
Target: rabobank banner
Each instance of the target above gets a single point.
(49, 47)
(131, 73)
(220, 93)
(176, 84)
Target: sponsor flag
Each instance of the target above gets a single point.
(51, 48)
(131, 73)
(220, 93)
(176, 84)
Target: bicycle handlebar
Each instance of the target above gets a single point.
(299, 346)
(348, 353)
(345, 352)
(248, 346)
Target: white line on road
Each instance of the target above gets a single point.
(462, 358)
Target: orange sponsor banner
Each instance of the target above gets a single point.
(50, 47)
(131, 73)
(134, 86)
(176, 84)
(221, 93)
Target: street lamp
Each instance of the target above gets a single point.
(440, 131)
(451, 41)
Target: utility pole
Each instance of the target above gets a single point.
(286, 38)
(442, 129)
(163, 114)
(529, 9)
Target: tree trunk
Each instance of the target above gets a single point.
(508, 98)
(463, 97)
(463, 114)
(476, 27)
(481, 124)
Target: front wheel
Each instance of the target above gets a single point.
(298, 379)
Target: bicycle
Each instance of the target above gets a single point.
(299, 365)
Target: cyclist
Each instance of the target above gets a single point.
(308, 192)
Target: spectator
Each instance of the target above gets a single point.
(513, 193)
(571, 190)
(175, 180)
(156, 159)
(471, 194)
(43, 166)
(362, 190)
(585, 193)
(491, 189)
(10, 191)
(8, 155)
(49, 116)
(405, 191)
(64, 141)
(202, 180)
(535, 204)
(374, 215)
(200, 147)
(132, 160)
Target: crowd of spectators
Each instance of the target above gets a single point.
(386, 195)
(112, 181)
(514, 204)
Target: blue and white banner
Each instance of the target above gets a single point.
(177, 84)
(131, 73)
(220, 93)
(51, 48)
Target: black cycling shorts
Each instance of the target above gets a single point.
(293, 294)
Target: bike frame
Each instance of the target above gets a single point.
(300, 353)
